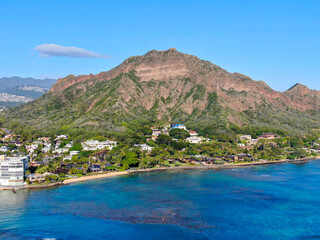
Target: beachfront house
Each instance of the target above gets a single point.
(36, 177)
(95, 168)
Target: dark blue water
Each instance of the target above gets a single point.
(263, 202)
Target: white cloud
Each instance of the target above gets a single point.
(55, 50)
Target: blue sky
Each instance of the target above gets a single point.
(275, 41)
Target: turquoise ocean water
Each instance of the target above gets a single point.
(263, 202)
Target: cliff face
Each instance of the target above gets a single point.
(172, 86)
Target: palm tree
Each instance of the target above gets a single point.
(85, 168)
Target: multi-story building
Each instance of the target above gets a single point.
(12, 171)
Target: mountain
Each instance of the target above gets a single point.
(170, 86)
(15, 90)
(11, 82)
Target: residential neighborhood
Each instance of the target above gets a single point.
(49, 159)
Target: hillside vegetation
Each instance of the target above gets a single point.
(168, 86)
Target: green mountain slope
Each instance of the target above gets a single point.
(169, 86)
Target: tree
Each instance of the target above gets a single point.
(164, 139)
(179, 145)
(42, 169)
(130, 159)
(73, 170)
(76, 147)
(85, 168)
(179, 133)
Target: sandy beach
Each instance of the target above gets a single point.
(181, 168)
(96, 176)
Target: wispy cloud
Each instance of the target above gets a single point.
(55, 50)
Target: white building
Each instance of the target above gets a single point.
(74, 153)
(156, 132)
(46, 148)
(4, 149)
(93, 145)
(68, 145)
(61, 137)
(194, 139)
(67, 158)
(179, 126)
(12, 171)
(31, 148)
(193, 133)
(144, 147)
(61, 150)
(253, 141)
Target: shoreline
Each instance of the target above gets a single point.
(161, 169)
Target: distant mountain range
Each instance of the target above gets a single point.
(170, 86)
(15, 90)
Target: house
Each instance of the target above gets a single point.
(95, 168)
(61, 171)
(36, 177)
(193, 133)
(245, 137)
(241, 145)
(143, 147)
(46, 148)
(61, 137)
(61, 150)
(232, 158)
(44, 139)
(67, 158)
(18, 144)
(38, 142)
(267, 136)
(253, 142)
(31, 148)
(194, 139)
(93, 145)
(34, 164)
(247, 147)
(156, 132)
(4, 149)
(68, 145)
(74, 153)
(179, 126)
